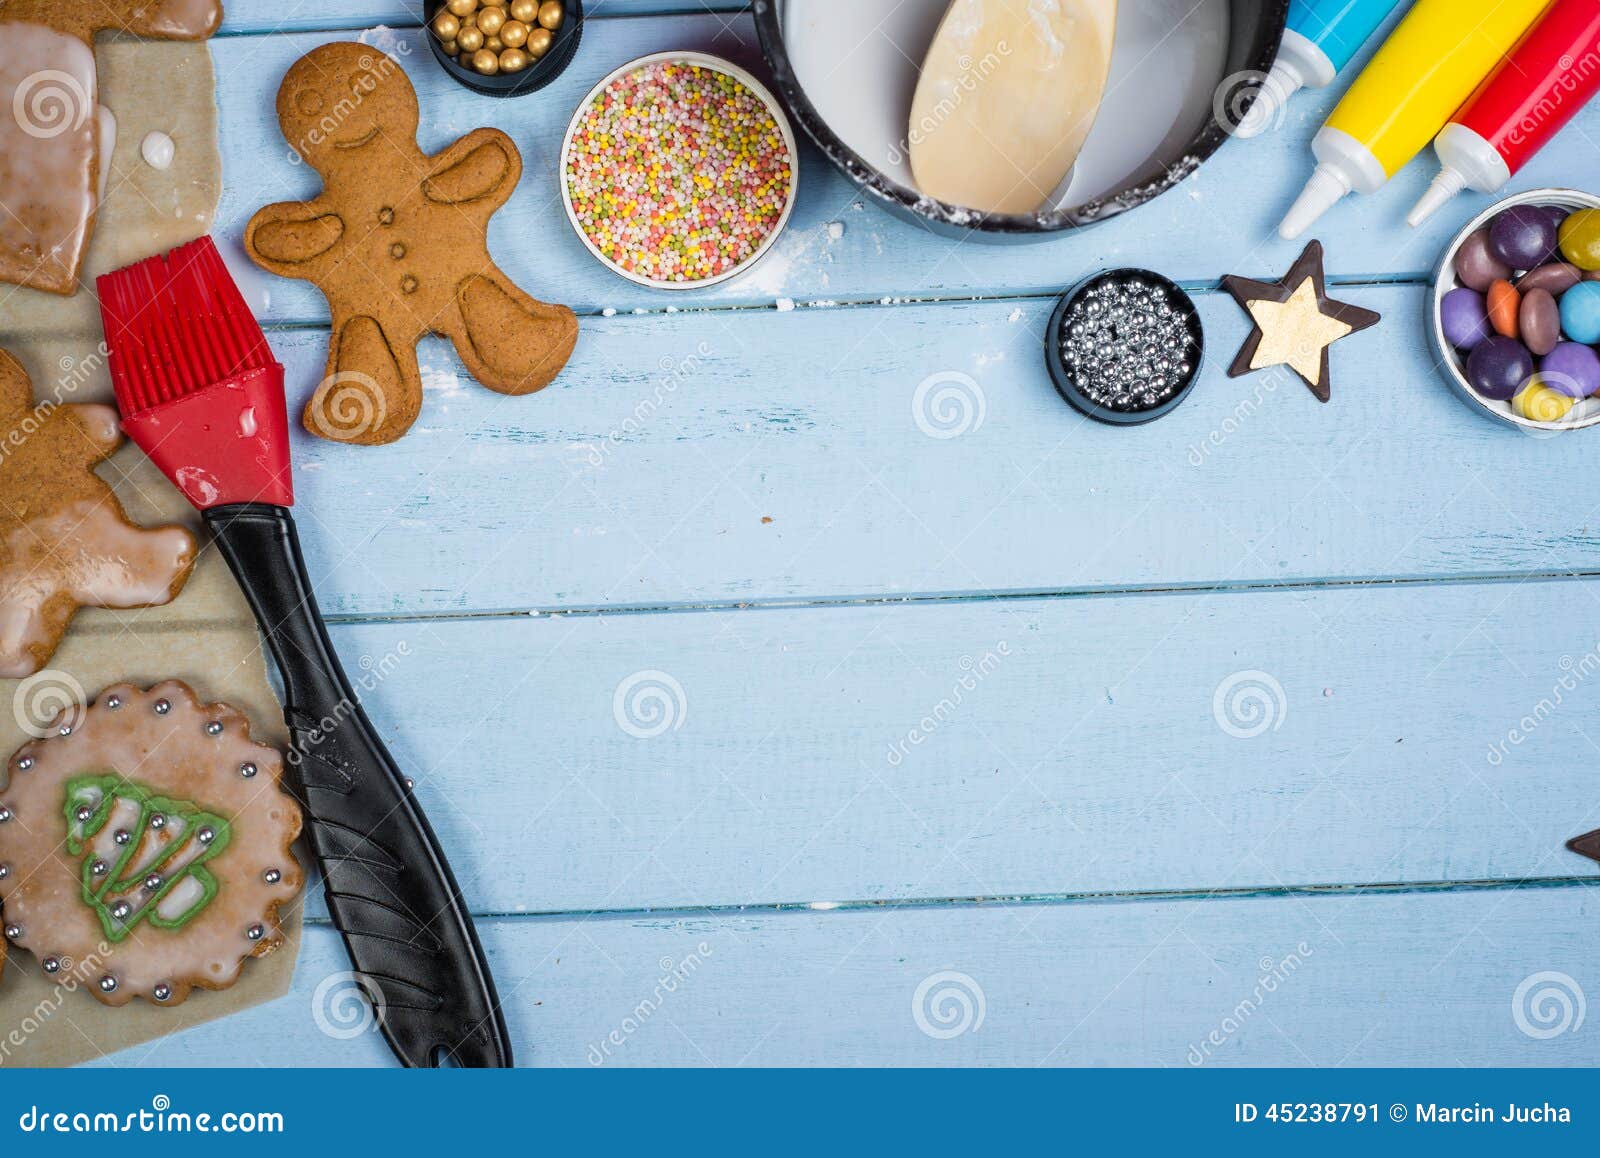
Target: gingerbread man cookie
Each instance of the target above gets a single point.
(54, 136)
(64, 540)
(150, 835)
(397, 243)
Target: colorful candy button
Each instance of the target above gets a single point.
(1465, 318)
(1580, 312)
(1498, 367)
(1539, 319)
(1523, 236)
(1571, 368)
(1580, 239)
(1478, 268)
(1555, 277)
(1503, 301)
(1538, 403)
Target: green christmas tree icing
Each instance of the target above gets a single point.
(156, 871)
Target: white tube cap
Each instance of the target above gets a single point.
(1280, 84)
(1326, 189)
(1446, 185)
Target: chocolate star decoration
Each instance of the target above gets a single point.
(1295, 322)
(1586, 845)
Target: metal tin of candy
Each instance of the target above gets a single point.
(1453, 364)
(716, 64)
(1125, 346)
(537, 74)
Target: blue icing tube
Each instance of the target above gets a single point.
(1323, 36)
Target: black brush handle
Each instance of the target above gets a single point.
(389, 888)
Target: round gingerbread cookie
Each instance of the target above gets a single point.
(149, 835)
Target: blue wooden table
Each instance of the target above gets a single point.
(769, 716)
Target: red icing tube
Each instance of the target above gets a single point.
(1540, 86)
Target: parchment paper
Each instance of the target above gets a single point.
(207, 636)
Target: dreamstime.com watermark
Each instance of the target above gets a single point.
(973, 673)
(373, 672)
(160, 1118)
(1569, 85)
(1243, 411)
(75, 373)
(69, 976)
(674, 975)
(1574, 672)
(375, 68)
(970, 76)
(674, 373)
(1275, 973)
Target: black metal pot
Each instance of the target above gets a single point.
(1256, 28)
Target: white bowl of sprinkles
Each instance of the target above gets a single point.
(697, 210)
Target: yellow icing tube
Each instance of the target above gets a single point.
(1425, 70)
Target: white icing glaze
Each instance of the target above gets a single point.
(87, 552)
(48, 147)
(106, 126)
(178, 17)
(157, 149)
(170, 755)
(180, 899)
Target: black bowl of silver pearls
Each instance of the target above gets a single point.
(504, 47)
(1124, 346)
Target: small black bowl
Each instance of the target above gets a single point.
(1069, 389)
(508, 84)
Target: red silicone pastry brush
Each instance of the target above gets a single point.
(202, 394)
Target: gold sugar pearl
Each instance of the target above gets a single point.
(451, 48)
(491, 20)
(539, 42)
(493, 44)
(525, 11)
(486, 62)
(551, 14)
(514, 33)
(513, 60)
(446, 25)
(459, 8)
(470, 39)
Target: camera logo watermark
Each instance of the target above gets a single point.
(1249, 704)
(948, 1004)
(648, 704)
(1548, 1004)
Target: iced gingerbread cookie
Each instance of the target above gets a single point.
(55, 137)
(397, 243)
(149, 834)
(64, 541)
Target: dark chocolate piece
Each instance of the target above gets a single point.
(1586, 845)
(1297, 335)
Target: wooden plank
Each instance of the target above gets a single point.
(644, 476)
(997, 748)
(1356, 981)
(1219, 222)
(249, 17)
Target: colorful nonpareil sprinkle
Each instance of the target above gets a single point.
(678, 172)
